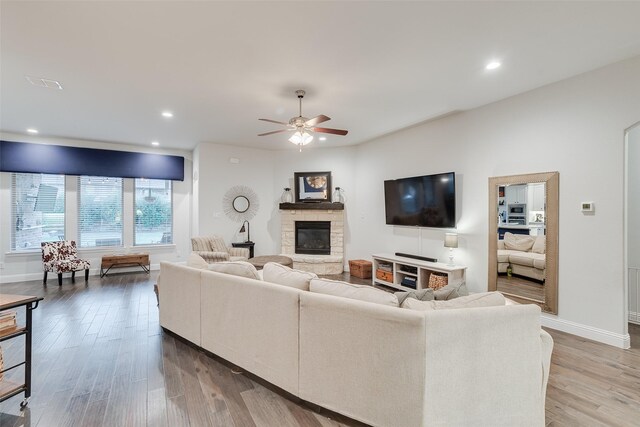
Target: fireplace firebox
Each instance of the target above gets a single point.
(313, 237)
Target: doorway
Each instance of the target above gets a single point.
(632, 232)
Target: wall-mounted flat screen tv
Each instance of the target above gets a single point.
(422, 201)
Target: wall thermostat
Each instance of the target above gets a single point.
(588, 207)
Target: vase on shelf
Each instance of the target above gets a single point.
(286, 197)
(338, 195)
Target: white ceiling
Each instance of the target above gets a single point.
(373, 67)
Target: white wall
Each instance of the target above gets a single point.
(216, 175)
(633, 219)
(575, 127)
(28, 265)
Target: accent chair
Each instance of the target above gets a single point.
(62, 257)
(213, 249)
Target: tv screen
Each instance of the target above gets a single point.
(423, 201)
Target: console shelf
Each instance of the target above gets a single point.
(401, 266)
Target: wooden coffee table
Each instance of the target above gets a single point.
(259, 261)
(124, 260)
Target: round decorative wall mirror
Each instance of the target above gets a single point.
(241, 204)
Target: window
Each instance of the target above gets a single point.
(100, 211)
(37, 210)
(152, 212)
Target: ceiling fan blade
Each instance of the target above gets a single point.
(275, 131)
(328, 130)
(317, 120)
(274, 121)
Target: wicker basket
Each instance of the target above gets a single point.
(438, 280)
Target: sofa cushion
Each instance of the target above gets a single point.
(196, 261)
(349, 290)
(485, 299)
(283, 275)
(540, 245)
(503, 254)
(236, 268)
(518, 242)
(420, 295)
(451, 291)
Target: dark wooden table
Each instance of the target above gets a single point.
(124, 260)
(248, 245)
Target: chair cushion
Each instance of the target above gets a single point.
(67, 265)
(283, 275)
(236, 268)
(349, 290)
(503, 254)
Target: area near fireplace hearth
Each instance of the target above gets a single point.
(313, 236)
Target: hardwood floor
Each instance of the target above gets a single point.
(101, 358)
(521, 286)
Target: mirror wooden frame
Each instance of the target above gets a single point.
(552, 181)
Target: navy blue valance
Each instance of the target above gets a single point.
(58, 159)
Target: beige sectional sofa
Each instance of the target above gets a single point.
(525, 254)
(382, 365)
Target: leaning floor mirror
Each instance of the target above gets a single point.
(523, 238)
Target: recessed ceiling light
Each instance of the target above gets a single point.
(155, 143)
(492, 65)
(167, 114)
(323, 138)
(32, 130)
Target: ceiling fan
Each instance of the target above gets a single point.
(301, 126)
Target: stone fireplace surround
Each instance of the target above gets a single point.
(319, 264)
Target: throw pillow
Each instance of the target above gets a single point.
(283, 275)
(486, 299)
(454, 290)
(236, 268)
(420, 295)
(196, 261)
(518, 242)
(349, 290)
(540, 245)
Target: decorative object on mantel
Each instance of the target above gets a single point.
(302, 126)
(242, 230)
(312, 186)
(286, 197)
(240, 203)
(450, 241)
(338, 195)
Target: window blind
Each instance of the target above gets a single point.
(37, 210)
(100, 211)
(153, 212)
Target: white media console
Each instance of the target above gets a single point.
(402, 267)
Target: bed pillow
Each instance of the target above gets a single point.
(349, 290)
(283, 275)
(485, 299)
(236, 268)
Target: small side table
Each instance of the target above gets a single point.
(248, 245)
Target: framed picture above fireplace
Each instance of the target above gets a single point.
(312, 186)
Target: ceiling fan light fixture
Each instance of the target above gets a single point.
(300, 138)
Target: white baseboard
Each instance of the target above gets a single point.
(584, 331)
(634, 317)
(79, 275)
